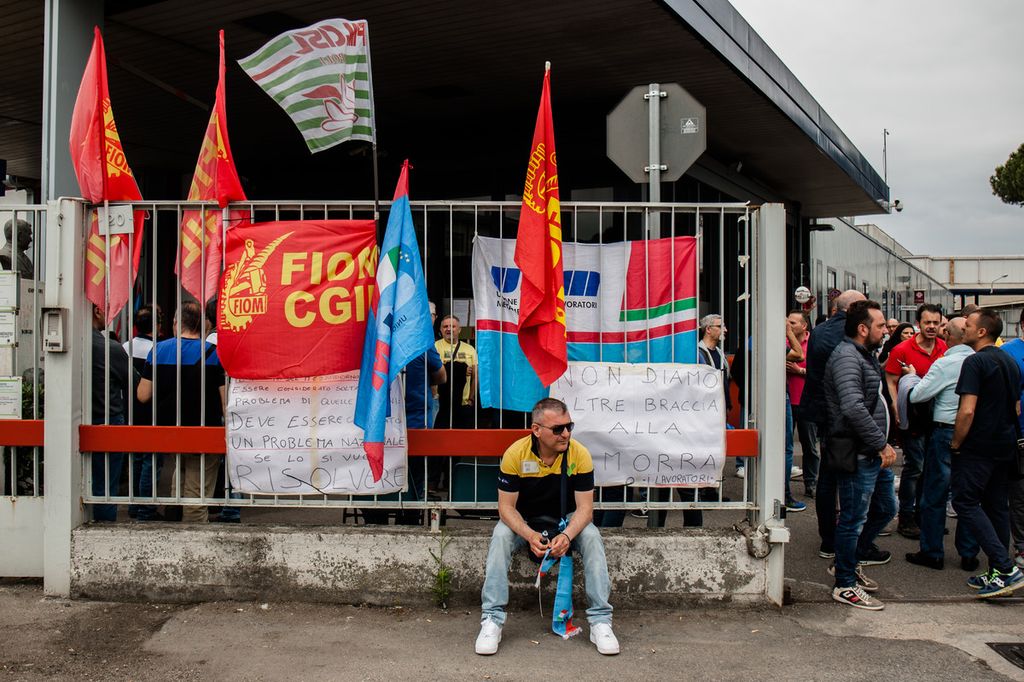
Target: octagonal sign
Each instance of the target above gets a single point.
(682, 132)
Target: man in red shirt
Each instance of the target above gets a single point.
(915, 354)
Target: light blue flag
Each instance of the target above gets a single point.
(399, 327)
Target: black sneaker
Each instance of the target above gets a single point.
(922, 559)
(874, 557)
(969, 563)
(826, 552)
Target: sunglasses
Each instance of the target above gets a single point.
(560, 429)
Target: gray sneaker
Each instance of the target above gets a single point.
(863, 582)
(857, 598)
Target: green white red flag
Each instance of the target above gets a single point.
(320, 75)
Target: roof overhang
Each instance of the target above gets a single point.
(456, 86)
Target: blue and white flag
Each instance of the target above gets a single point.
(399, 327)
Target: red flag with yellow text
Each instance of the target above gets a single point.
(295, 297)
(539, 254)
(103, 176)
(215, 179)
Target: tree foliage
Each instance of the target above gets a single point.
(1008, 181)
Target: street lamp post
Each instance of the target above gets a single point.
(992, 286)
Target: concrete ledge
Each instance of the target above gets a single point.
(182, 563)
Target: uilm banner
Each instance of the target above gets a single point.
(633, 301)
(295, 297)
(298, 437)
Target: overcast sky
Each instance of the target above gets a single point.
(947, 80)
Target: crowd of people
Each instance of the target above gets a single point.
(946, 395)
(861, 391)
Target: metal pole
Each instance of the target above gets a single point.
(770, 310)
(63, 511)
(654, 166)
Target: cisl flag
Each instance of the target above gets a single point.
(320, 75)
(295, 297)
(103, 175)
(215, 179)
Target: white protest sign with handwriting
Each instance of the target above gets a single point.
(298, 437)
(648, 424)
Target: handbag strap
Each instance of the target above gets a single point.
(564, 482)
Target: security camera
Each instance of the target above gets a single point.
(898, 205)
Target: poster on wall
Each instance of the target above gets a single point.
(658, 424)
(298, 437)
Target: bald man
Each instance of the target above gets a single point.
(939, 384)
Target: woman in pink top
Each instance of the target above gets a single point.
(796, 373)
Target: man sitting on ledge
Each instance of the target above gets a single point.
(529, 486)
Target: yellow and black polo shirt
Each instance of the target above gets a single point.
(538, 486)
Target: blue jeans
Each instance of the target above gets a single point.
(106, 512)
(867, 502)
(934, 493)
(789, 446)
(980, 497)
(588, 545)
(913, 462)
(143, 465)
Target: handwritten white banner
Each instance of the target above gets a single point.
(298, 437)
(648, 424)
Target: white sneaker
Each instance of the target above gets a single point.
(601, 634)
(490, 636)
(796, 472)
(950, 512)
(741, 472)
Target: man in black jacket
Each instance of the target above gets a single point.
(853, 396)
(824, 339)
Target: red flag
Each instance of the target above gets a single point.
(103, 175)
(215, 178)
(295, 298)
(539, 254)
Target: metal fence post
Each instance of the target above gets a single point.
(769, 334)
(63, 510)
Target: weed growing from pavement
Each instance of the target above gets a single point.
(442, 587)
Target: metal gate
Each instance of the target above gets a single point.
(21, 390)
(747, 242)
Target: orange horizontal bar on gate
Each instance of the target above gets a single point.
(422, 442)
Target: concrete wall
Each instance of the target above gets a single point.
(174, 563)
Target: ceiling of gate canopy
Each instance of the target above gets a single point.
(456, 84)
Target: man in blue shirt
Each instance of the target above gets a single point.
(189, 395)
(940, 384)
(1015, 349)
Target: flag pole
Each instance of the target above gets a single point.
(373, 142)
(376, 189)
